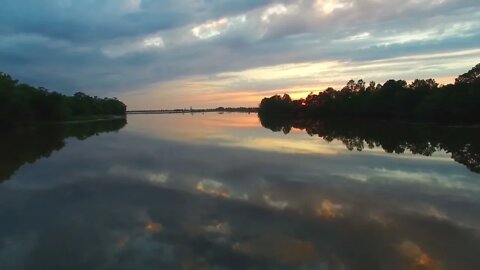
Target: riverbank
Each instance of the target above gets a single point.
(77, 120)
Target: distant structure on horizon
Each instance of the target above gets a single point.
(191, 110)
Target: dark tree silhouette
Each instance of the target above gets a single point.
(21, 146)
(422, 100)
(22, 104)
(469, 77)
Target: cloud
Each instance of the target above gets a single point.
(273, 11)
(113, 47)
(329, 6)
(214, 28)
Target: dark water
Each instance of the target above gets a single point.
(222, 192)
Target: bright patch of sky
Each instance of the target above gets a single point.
(273, 11)
(214, 28)
(329, 6)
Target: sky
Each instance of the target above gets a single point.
(208, 53)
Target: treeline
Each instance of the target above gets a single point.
(421, 100)
(237, 109)
(462, 143)
(22, 104)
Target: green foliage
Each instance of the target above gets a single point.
(422, 100)
(23, 104)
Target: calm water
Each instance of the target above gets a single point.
(220, 191)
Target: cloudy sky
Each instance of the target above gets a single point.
(207, 53)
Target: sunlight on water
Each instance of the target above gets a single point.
(240, 130)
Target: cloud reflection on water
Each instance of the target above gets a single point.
(135, 201)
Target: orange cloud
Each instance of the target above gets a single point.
(287, 250)
(419, 259)
(327, 209)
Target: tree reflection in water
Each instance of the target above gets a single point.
(461, 143)
(19, 147)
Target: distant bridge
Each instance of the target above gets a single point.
(219, 110)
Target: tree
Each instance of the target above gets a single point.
(469, 77)
(421, 100)
(22, 104)
(423, 85)
(286, 97)
(360, 86)
(350, 86)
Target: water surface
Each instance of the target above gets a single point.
(219, 191)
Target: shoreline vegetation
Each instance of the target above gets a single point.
(24, 105)
(420, 101)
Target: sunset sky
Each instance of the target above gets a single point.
(208, 53)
